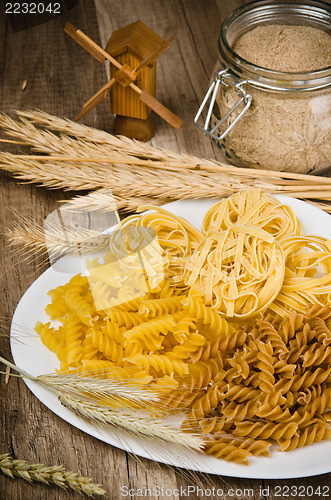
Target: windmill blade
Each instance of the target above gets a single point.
(101, 91)
(154, 55)
(92, 105)
(93, 48)
(77, 36)
(161, 110)
(95, 99)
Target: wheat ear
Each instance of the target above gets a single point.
(133, 423)
(65, 126)
(52, 238)
(102, 200)
(137, 173)
(130, 181)
(53, 474)
(129, 147)
(110, 146)
(31, 236)
(94, 388)
(103, 391)
(91, 136)
(124, 182)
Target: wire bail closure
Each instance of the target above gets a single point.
(226, 78)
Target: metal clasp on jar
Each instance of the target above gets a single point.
(226, 78)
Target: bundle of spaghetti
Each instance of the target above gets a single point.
(239, 271)
(253, 257)
(147, 253)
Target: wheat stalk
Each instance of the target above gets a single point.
(57, 241)
(131, 169)
(131, 148)
(43, 140)
(326, 207)
(122, 181)
(130, 180)
(92, 398)
(121, 144)
(65, 126)
(7, 376)
(87, 143)
(133, 423)
(133, 182)
(54, 474)
(101, 390)
(127, 172)
(103, 200)
(118, 148)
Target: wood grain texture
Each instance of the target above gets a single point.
(60, 77)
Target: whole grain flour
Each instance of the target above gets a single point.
(289, 131)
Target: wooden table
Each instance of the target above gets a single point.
(59, 77)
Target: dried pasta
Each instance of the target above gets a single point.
(239, 271)
(273, 406)
(231, 325)
(255, 208)
(307, 278)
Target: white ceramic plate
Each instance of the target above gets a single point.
(32, 356)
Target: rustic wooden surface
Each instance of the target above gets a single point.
(60, 77)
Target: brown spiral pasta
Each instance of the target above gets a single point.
(266, 430)
(315, 432)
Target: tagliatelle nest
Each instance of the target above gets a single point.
(239, 272)
(253, 207)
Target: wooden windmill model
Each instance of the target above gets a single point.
(132, 52)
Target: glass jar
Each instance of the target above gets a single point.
(270, 119)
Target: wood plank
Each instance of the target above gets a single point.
(60, 77)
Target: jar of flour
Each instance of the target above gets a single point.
(269, 105)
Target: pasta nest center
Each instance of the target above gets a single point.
(238, 272)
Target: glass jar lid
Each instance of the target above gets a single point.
(287, 12)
